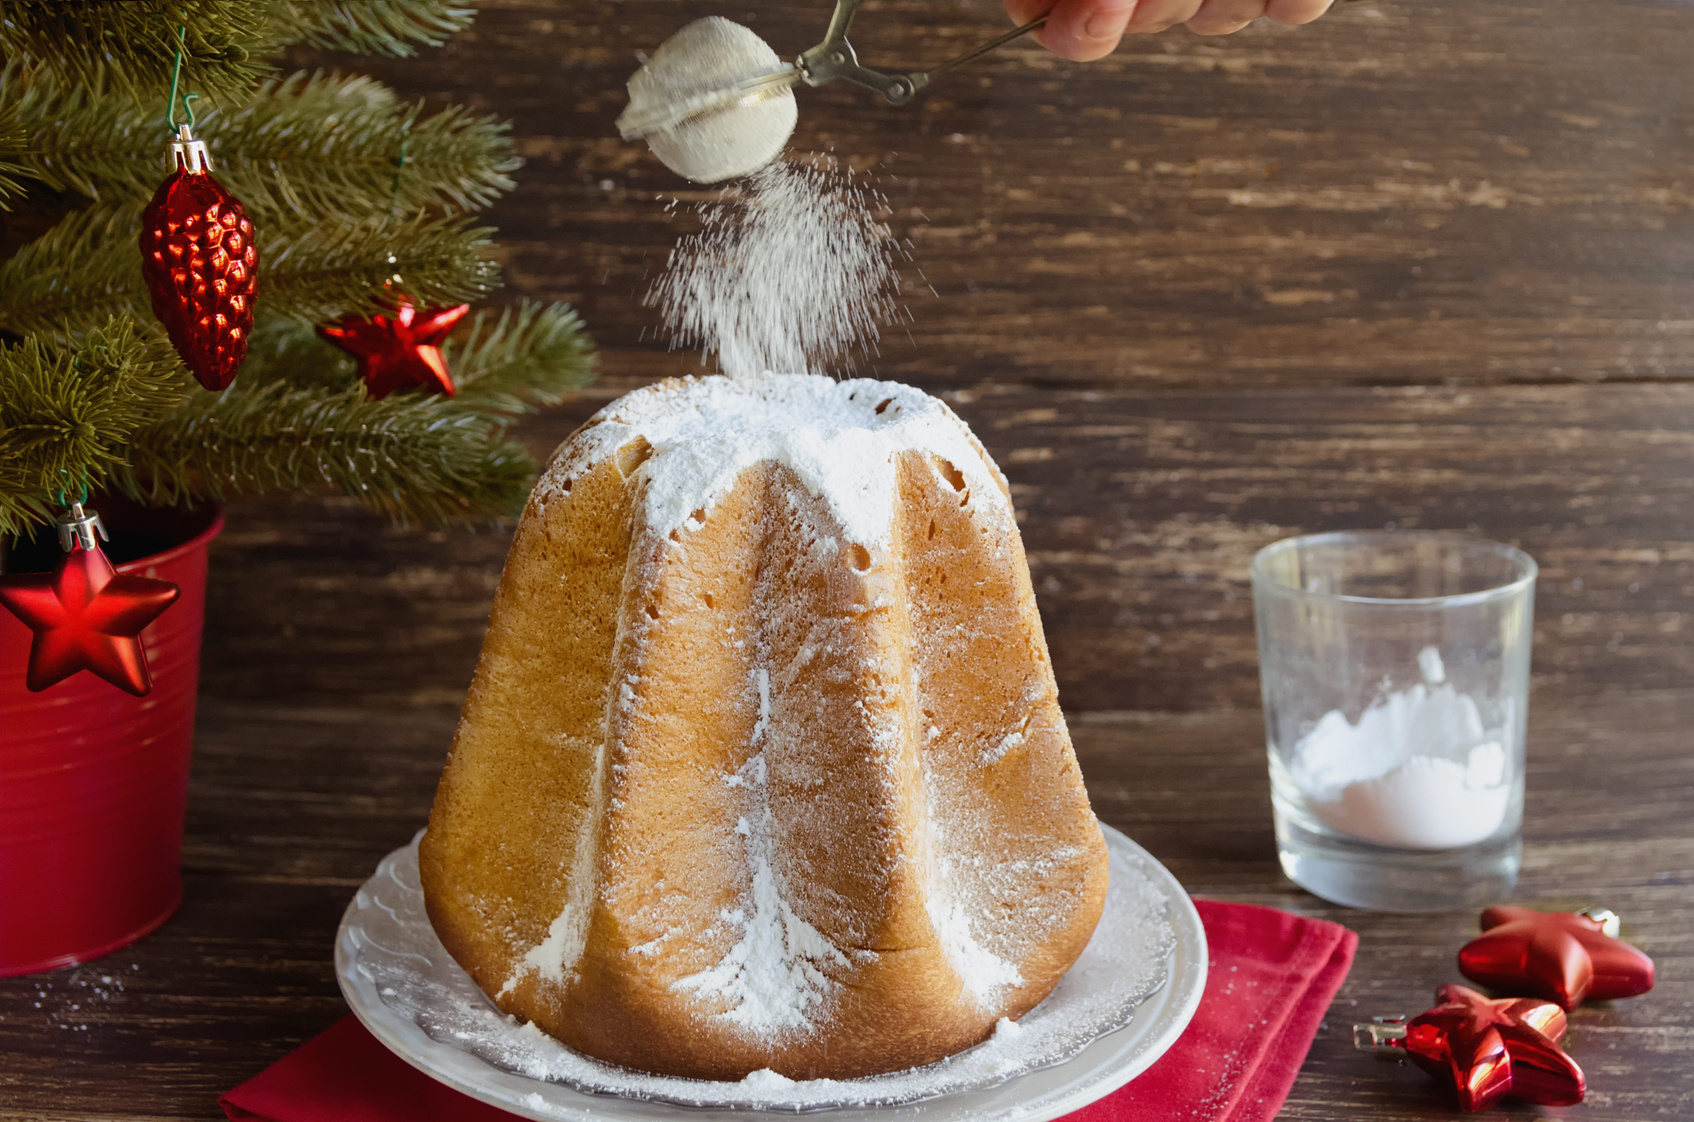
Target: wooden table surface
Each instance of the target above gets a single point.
(1423, 264)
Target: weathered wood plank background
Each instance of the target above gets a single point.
(1422, 263)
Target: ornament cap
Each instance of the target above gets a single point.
(79, 527)
(1608, 920)
(189, 154)
(1384, 1037)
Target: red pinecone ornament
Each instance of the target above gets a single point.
(201, 266)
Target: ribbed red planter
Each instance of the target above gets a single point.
(94, 782)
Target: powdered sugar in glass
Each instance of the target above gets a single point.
(1395, 673)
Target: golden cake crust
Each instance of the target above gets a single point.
(762, 788)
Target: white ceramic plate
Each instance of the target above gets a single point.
(1121, 1006)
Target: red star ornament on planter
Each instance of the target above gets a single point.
(200, 265)
(1567, 957)
(1485, 1049)
(399, 351)
(84, 614)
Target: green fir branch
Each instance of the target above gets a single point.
(359, 198)
(81, 272)
(130, 46)
(320, 274)
(413, 457)
(322, 146)
(394, 28)
(289, 351)
(330, 146)
(69, 411)
(529, 356)
(14, 151)
(88, 267)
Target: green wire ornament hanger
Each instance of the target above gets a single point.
(188, 153)
(76, 526)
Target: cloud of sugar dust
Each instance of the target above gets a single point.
(793, 269)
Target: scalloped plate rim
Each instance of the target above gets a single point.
(1097, 1069)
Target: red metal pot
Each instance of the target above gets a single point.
(93, 781)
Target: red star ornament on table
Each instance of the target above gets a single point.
(400, 351)
(1567, 957)
(85, 615)
(1485, 1049)
(200, 265)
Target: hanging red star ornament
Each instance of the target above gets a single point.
(398, 351)
(200, 265)
(1567, 957)
(1484, 1049)
(85, 615)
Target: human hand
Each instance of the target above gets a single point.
(1084, 30)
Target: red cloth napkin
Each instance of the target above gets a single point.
(1271, 978)
(1269, 981)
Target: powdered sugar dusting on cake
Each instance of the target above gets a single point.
(773, 978)
(986, 975)
(564, 942)
(990, 756)
(556, 956)
(843, 441)
(762, 682)
(808, 564)
(841, 438)
(1015, 738)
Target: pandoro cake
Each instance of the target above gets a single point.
(763, 764)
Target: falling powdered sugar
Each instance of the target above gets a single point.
(793, 267)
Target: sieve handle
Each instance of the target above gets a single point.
(835, 58)
(983, 48)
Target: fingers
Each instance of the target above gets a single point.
(1156, 15)
(1222, 17)
(1296, 11)
(1084, 30)
(1022, 11)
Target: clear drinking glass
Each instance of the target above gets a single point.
(1395, 674)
